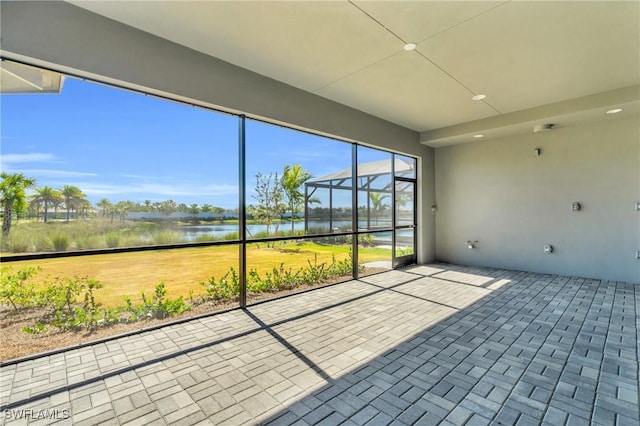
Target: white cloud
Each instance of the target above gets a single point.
(50, 173)
(149, 190)
(33, 157)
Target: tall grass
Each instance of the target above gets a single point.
(112, 240)
(60, 242)
(167, 237)
(96, 233)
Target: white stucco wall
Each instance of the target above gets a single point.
(513, 203)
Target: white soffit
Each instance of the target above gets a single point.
(410, 91)
(525, 54)
(304, 44)
(522, 54)
(561, 114)
(417, 21)
(18, 78)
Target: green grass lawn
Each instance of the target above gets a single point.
(183, 269)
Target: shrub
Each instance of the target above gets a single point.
(276, 279)
(160, 306)
(15, 289)
(61, 242)
(340, 268)
(91, 315)
(61, 297)
(37, 328)
(314, 273)
(228, 287)
(365, 240)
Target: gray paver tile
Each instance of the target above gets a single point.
(540, 349)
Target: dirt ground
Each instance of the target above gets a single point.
(15, 343)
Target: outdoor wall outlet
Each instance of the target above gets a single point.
(548, 248)
(575, 206)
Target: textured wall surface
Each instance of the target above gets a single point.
(513, 203)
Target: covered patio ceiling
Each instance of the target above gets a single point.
(536, 62)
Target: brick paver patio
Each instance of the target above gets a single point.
(426, 345)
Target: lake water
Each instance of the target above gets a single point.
(191, 232)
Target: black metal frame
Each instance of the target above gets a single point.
(399, 261)
(243, 241)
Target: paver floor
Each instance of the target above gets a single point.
(435, 344)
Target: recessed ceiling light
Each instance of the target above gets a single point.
(478, 136)
(543, 127)
(614, 111)
(478, 97)
(410, 46)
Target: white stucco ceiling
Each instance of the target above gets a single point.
(526, 56)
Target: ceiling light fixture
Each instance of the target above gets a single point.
(614, 111)
(478, 136)
(410, 46)
(543, 127)
(478, 97)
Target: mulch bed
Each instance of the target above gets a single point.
(16, 343)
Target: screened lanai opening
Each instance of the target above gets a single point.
(375, 190)
(389, 180)
(118, 229)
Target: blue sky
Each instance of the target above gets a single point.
(121, 145)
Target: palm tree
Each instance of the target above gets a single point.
(122, 208)
(194, 209)
(72, 196)
(82, 205)
(169, 206)
(57, 201)
(12, 190)
(377, 198)
(293, 177)
(46, 196)
(104, 205)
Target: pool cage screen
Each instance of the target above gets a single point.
(375, 183)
